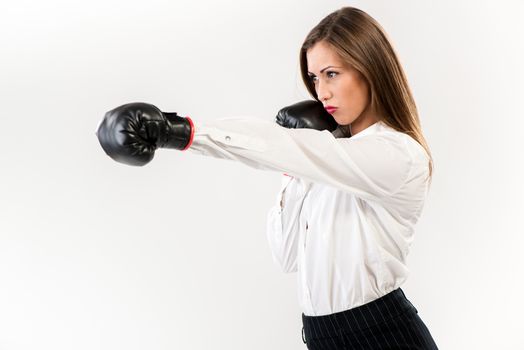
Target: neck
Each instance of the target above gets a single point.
(362, 123)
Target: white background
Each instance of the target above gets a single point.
(173, 255)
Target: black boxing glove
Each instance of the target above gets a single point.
(131, 133)
(306, 114)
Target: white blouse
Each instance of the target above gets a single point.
(345, 214)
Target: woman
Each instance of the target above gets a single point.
(350, 247)
(345, 215)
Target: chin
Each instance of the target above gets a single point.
(342, 122)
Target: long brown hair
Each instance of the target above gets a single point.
(360, 41)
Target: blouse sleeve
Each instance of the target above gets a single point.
(372, 167)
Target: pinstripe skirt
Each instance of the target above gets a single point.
(389, 322)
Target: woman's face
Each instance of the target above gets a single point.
(340, 86)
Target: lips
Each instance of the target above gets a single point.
(330, 109)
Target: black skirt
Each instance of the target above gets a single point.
(389, 322)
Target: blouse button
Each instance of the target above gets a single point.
(228, 138)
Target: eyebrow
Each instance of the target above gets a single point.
(323, 69)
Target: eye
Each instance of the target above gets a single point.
(312, 77)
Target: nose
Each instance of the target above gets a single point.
(323, 92)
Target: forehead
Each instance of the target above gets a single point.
(322, 55)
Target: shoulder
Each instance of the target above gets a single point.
(414, 153)
(397, 140)
(390, 148)
(382, 139)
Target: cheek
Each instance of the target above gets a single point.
(361, 93)
(356, 94)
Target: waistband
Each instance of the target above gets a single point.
(361, 317)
